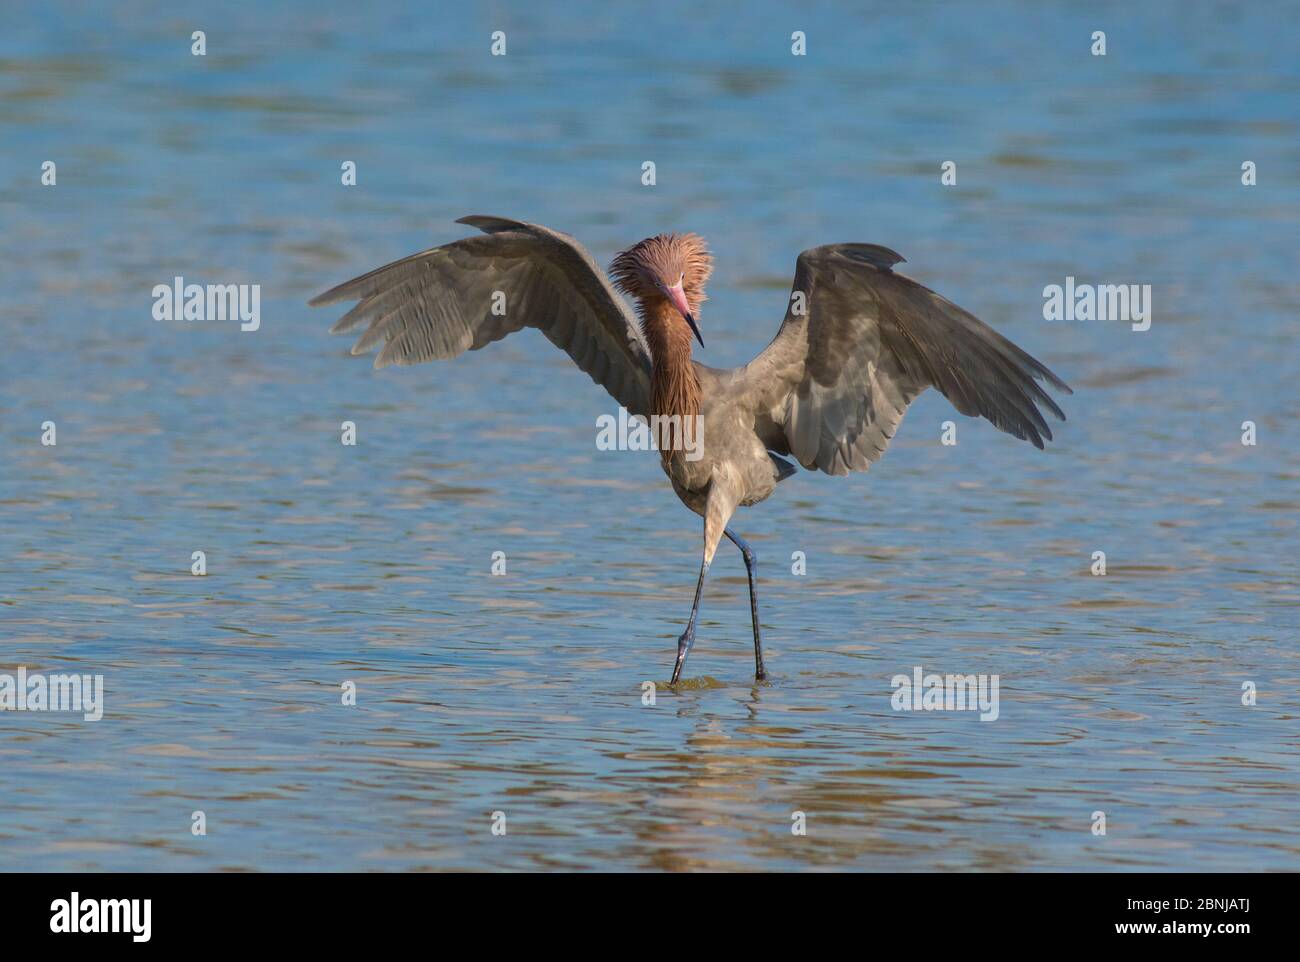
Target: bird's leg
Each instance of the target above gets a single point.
(687, 639)
(751, 566)
(721, 503)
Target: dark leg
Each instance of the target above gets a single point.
(751, 564)
(687, 639)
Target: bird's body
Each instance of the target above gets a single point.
(857, 345)
(734, 466)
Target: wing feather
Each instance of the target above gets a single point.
(833, 386)
(439, 303)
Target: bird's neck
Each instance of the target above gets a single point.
(674, 385)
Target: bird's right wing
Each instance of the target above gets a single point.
(465, 295)
(860, 342)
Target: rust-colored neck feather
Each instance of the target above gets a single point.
(674, 385)
(641, 272)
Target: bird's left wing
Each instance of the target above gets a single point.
(466, 294)
(860, 342)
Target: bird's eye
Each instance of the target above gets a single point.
(682, 278)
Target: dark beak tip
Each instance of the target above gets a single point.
(695, 329)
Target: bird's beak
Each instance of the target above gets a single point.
(677, 297)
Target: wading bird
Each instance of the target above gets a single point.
(857, 345)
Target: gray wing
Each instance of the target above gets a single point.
(463, 296)
(833, 385)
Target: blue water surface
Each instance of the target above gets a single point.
(523, 693)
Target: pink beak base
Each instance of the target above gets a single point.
(677, 298)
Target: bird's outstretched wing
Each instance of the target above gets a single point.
(463, 296)
(860, 342)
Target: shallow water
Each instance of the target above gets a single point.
(522, 693)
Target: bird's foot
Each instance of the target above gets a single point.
(684, 644)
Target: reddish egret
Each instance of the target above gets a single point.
(857, 345)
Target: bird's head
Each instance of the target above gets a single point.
(666, 267)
